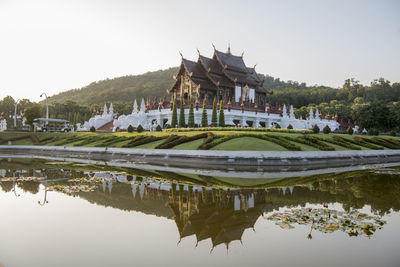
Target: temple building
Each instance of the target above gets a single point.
(223, 77)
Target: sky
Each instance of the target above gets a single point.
(55, 45)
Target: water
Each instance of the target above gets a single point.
(144, 217)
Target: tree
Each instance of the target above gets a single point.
(92, 129)
(326, 130)
(174, 119)
(182, 115)
(204, 119)
(221, 115)
(35, 111)
(139, 129)
(158, 128)
(214, 121)
(315, 129)
(289, 127)
(277, 126)
(130, 129)
(191, 115)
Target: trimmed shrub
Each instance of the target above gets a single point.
(383, 142)
(315, 129)
(311, 141)
(239, 129)
(373, 131)
(358, 141)
(174, 119)
(214, 121)
(167, 126)
(289, 127)
(221, 122)
(182, 115)
(326, 130)
(349, 131)
(143, 139)
(278, 126)
(191, 115)
(393, 133)
(339, 143)
(139, 129)
(181, 140)
(92, 129)
(204, 119)
(169, 139)
(130, 129)
(158, 128)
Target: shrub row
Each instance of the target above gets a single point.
(340, 143)
(143, 139)
(358, 141)
(181, 140)
(86, 140)
(210, 138)
(46, 140)
(383, 142)
(170, 138)
(273, 139)
(244, 129)
(111, 140)
(311, 141)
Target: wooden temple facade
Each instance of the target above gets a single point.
(224, 77)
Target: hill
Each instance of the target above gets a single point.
(121, 89)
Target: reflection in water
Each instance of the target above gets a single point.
(208, 210)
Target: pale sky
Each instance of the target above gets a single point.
(52, 46)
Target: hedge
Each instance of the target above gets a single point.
(181, 140)
(383, 142)
(311, 141)
(143, 139)
(273, 139)
(239, 129)
(340, 143)
(359, 141)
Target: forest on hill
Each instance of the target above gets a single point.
(371, 106)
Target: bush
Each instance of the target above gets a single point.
(277, 126)
(191, 115)
(167, 126)
(373, 131)
(340, 142)
(171, 142)
(182, 123)
(174, 119)
(92, 129)
(158, 128)
(221, 122)
(393, 133)
(326, 130)
(311, 141)
(315, 129)
(349, 131)
(142, 139)
(204, 119)
(130, 129)
(140, 128)
(289, 127)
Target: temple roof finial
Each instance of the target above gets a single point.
(242, 54)
(180, 54)
(198, 51)
(214, 47)
(229, 48)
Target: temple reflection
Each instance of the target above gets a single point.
(202, 208)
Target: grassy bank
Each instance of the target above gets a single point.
(208, 140)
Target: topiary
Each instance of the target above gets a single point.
(191, 115)
(204, 119)
(174, 119)
(326, 130)
(92, 129)
(214, 121)
(139, 128)
(130, 129)
(277, 126)
(289, 127)
(315, 129)
(349, 131)
(167, 126)
(182, 115)
(221, 115)
(158, 128)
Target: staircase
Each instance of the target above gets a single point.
(106, 127)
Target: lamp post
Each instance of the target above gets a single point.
(47, 107)
(15, 113)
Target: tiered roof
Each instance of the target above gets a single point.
(222, 70)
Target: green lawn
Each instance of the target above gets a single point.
(248, 143)
(193, 145)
